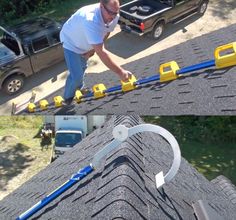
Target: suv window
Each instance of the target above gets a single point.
(40, 43)
(10, 42)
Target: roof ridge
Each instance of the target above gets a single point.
(130, 121)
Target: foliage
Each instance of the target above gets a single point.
(204, 128)
(212, 159)
(12, 12)
(17, 8)
(208, 143)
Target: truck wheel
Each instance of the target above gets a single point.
(13, 84)
(202, 8)
(158, 30)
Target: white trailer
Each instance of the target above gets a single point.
(71, 129)
(71, 122)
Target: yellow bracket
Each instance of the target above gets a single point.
(43, 104)
(129, 85)
(99, 90)
(78, 96)
(225, 60)
(58, 101)
(31, 107)
(167, 75)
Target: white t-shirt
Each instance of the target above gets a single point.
(84, 28)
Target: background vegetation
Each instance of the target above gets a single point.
(208, 143)
(12, 12)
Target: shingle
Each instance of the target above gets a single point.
(122, 187)
(205, 92)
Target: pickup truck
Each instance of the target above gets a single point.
(27, 48)
(151, 16)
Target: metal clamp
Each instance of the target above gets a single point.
(129, 85)
(168, 71)
(121, 133)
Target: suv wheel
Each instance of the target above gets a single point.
(202, 8)
(158, 30)
(13, 84)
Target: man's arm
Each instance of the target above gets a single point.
(91, 52)
(107, 60)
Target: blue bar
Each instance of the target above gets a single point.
(195, 67)
(148, 79)
(113, 89)
(89, 95)
(74, 179)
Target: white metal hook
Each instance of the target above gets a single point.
(121, 133)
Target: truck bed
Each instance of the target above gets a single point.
(157, 7)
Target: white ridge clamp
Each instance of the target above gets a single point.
(121, 133)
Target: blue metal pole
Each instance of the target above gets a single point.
(73, 180)
(147, 80)
(195, 67)
(89, 95)
(113, 89)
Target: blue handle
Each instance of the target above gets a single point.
(147, 80)
(195, 67)
(113, 89)
(156, 77)
(74, 179)
(89, 95)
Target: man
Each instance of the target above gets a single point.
(83, 35)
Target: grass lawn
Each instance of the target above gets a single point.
(209, 156)
(211, 159)
(21, 154)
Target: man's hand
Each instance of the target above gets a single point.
(125, 75)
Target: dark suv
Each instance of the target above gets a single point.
(26, 49)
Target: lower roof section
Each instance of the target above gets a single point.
(122, 187)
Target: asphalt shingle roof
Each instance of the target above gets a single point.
(122, 187)
(205, 92)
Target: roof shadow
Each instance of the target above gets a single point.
(12, 163)
(223, 8)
